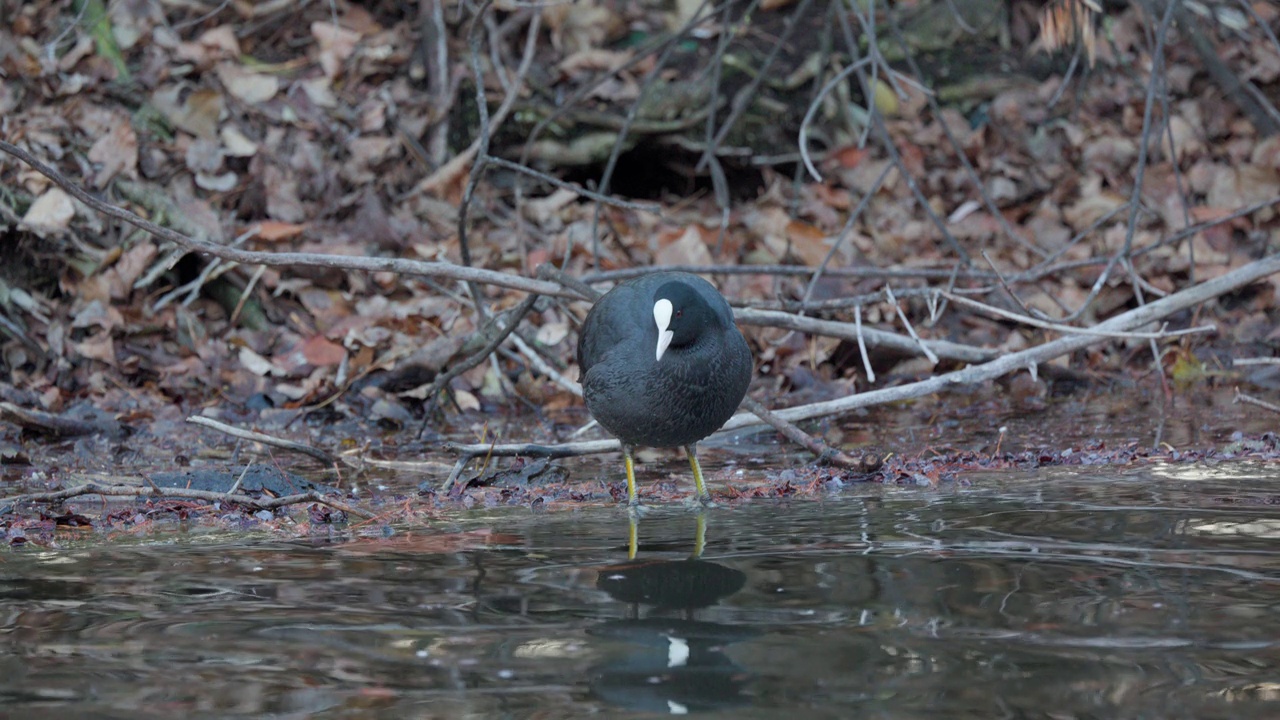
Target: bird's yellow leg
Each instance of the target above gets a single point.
(630, 462)
(703, 495)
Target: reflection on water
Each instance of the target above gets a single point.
(673, 664)
(1062, 595)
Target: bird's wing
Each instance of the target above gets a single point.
(624, 322)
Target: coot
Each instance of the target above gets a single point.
(663, 365)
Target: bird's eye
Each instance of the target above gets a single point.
(679, 313)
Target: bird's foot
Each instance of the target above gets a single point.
(699, 502)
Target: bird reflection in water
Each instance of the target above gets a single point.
(672, 663)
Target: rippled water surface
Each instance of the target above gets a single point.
(1152, 594)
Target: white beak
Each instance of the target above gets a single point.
(662, 317)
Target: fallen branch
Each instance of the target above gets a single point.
(873, 338)
(183, 494)
(1153, 312)
(281, 443)
(58, 425)
(825, 453)
(1256, 402)
(1071, 329)
(991, 370)
(400, 266)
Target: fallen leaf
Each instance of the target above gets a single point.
(213, 45)
(687, 249)
(131, 265)
(258, 365)
(116, 152)
(275, 231)
(809, 243)
(50, 214)
(97, 347)
(97, 314)
(320, 351)
(236, 143)
(466, 400)
(249, 87)
(552, 333)
(319, 90)
(216, 183)
(196, 113)
(336, 45)
(544, 210)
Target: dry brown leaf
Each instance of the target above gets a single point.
(688, 248)
(581, 25)
(327, 307)
(196, 113)
(546, 211)
(594, 60)
(275, 231)
(1244, 185)
(1093, 203)
(212, 46)
(550, 334)
(283, 202)
(236, 143)
(1267, 154)
(132, 264)
(50, 214)
(249, 87)
(811, 245)
(847, 156)
(97, 347)
(466, 400)
(97, 314)
(116, 152)
(204, 155)
(336, 46)
(257, 364)
(320, 351)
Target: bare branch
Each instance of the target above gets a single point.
(345, 262)
(182, 493)
(258, 437)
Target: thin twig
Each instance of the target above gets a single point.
(573, 449)
(575, 187)
(185, 493)
(1069, 329)
(1244, 362)
(1009, 362)
(58, 425)
(277, 259)
(902, 315)
(541, 366)
(825, 453)
(874, 338)
(873, 273)
(252, 436)
(1256, 402)
(862, 344)
(487, 128)
(443, 379)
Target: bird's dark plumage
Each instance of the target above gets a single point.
(673, 397)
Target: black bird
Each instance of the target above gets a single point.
(663, 365)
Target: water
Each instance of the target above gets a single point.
(1148, 594)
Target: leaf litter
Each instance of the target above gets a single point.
(285, 133)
